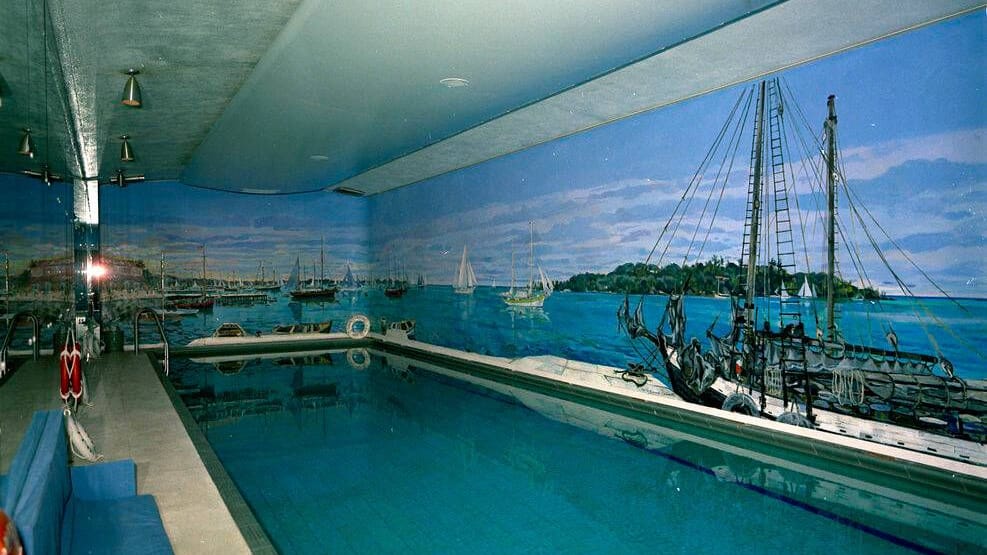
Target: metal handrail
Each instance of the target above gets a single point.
(35, 330)
(137, 333)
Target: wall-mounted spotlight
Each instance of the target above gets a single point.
(126, 153)
(122, 180)
(44, 175)
(132, 90)
(27, 145)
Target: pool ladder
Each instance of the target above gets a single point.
(35, 335)
(137, 332)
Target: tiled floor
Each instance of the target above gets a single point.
(131, 417)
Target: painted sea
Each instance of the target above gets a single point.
(583, 326)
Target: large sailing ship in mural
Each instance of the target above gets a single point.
(316, 291)
(768, 363)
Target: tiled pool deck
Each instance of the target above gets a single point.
(133, 417)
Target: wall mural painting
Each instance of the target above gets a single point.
(532, 253)
(196, 256)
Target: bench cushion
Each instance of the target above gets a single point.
(41, 504)
(13, 484)
(91, 509)
(120, 526)
(109, 480)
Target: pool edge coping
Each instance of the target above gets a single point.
(250, 528)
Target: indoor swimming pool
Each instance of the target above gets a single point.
(342, 453)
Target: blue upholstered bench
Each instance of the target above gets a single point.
(80, 509)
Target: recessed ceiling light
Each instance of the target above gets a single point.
(319, 157)
(455, 82)
(260, 191)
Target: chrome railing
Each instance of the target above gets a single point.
(35, 338)
(35, 334)
(137, 333)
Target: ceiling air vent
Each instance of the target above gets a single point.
(350, 192)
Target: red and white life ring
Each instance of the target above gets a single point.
(70, 366)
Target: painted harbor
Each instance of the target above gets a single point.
(579, 326)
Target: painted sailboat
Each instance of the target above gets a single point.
(349, 282)
(171, 311)
(396, 287)
(783, 292)
(767, 364)
(805, 292)
(538, 289)
(263, 284)
(319, 291)
(719, 283)
(465, 280)
(202, 302)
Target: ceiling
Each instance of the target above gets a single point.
(284, 96)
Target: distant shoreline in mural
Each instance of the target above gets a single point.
(713, 278)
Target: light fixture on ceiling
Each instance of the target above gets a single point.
(132, 90)
(27, 145)
(318, 157)
(455, 82)
(126, 153)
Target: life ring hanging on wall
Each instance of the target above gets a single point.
(351, 329)
(70, 368)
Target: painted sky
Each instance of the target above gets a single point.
(144, 220)
(238, 231)
(912, 127)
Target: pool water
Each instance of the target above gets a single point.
(405, 457)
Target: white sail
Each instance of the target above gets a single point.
(783, 291)
(806, 291)
(546, 284)
(465, 277)
(349, 281)
(293, 278)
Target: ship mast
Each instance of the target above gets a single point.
(531, 258)
(755, 216)
(830, 126)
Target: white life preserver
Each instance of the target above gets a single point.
(351, 326)
(358, 358)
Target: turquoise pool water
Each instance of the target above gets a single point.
(405, 457)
